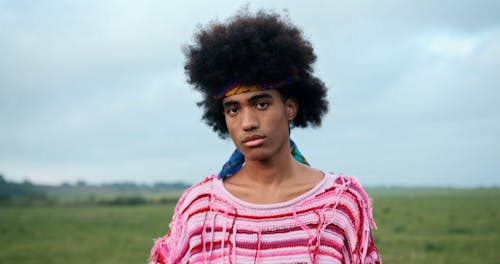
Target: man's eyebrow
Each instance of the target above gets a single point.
(249, 100)
(259, 96)
(226, 104)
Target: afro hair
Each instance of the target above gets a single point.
(253, 49)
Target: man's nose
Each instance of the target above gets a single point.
(249, 120)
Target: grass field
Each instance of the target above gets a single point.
(80, 234)
(415, 226)
(438, 225)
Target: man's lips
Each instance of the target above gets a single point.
(253, 141)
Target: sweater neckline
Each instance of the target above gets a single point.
(221, 189)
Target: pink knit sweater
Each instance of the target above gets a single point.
(329, 224)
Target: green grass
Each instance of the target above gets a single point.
(438, 225)
(415, 226)
(81, 234)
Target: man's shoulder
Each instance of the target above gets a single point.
(199, 190)
(201, 185)
(344, 182)
(350, 188)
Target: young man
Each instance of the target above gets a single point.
(267, 205)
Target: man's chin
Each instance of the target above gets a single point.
(257, 156)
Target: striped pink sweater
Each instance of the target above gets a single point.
(329, 224)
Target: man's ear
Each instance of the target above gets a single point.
(291, 108)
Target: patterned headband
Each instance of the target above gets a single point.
(237, 88)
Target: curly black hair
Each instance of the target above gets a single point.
(258, 48)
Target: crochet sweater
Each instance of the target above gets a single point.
(331, 223)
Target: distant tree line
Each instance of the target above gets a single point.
(124, 193)
(12, 188)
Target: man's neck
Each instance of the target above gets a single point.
(265, 182)
(278, 169)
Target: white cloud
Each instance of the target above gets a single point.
(451, 45)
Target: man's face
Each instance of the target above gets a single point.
(258, 122)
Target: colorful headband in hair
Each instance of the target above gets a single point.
(237, 88)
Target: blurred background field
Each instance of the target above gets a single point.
(415, 225)
(437, 225)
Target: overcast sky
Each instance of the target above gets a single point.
(95, 91)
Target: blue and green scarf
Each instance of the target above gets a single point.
(237, 160)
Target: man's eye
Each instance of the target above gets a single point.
(232, 110)
(262, 105)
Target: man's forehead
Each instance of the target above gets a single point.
(248, 96)
(234, 88)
